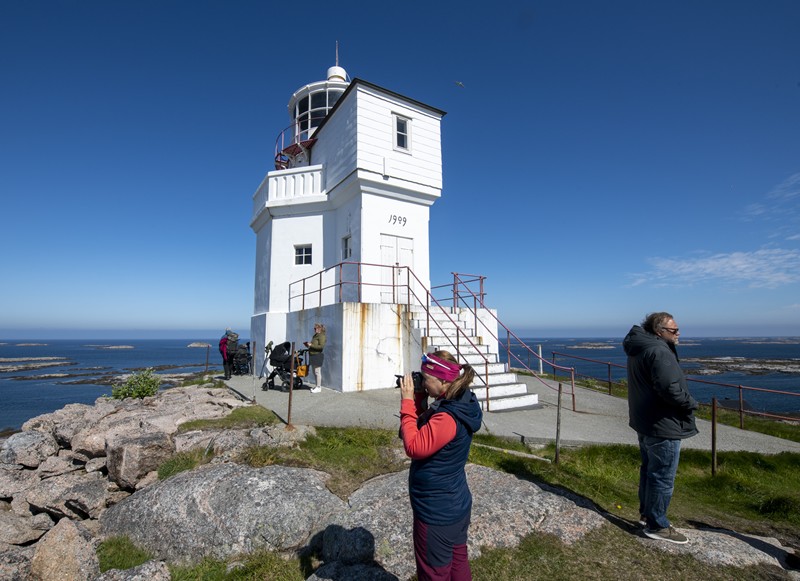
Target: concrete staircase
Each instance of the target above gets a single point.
(505, 391)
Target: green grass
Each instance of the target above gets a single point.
(751, 493)
(779, 429)
(618, 389)
(120, 553)
(607, 553)
(487, 439)
(244, 417)
(203, 378)
(256, 567)
(252, 416)
(183, 461)
(350, 455)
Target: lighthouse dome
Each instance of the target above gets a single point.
(337, 74)
(310, 104)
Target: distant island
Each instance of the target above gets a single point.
(110, 346)
(717, 365)
(16, 364)
(592, 346)
(198, 344)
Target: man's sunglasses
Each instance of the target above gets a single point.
(674, 331)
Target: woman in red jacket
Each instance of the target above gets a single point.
(437, 439)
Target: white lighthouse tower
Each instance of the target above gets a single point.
(342, 226)
(342, 237)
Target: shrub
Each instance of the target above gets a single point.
(141, 384)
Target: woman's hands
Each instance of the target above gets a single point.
(407, 387)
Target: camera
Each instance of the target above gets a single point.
(417, 378)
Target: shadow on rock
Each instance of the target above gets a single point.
(347, 555)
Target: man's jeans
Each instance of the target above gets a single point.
(657, 478)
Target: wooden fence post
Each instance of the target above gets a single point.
(713, 436)
(558, 424)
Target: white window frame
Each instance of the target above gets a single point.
(396, 133)
(302, 254)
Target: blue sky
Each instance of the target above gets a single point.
(602, 159)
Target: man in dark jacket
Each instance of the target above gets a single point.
(660, 409)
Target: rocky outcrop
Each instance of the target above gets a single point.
(28, 449)
(227, 509)
(15, 562)
(71, 465)
(85, 473)
(131, 457)
(289, 509)
(67, 551)
(150, 571)
(21, 530)
(77, 496)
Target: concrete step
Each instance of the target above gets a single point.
(476, 359)
(511, 403)
(447, 328)
(480, 366)
(498, 403)
(418, 313)
(494, 378)
(441, 342)
(499, 389)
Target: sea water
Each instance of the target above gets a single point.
(85, 368)
(702, 379)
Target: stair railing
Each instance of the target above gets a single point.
(426, 304)
(460, 293)
(330, 286)
(464, 294)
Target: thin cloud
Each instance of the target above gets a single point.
(787, 189)
(779, 210)
(754, 212)
(779, 203)
(766, 268)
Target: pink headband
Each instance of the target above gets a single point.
(440, 368)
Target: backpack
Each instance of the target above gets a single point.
(233, 343)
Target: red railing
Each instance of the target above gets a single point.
(463, 294)
(411, 292)
(311, 292)
(741, 389)
(294, 139)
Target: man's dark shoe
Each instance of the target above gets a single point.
(668, 534)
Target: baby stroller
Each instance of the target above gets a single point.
(241, 361)
(281, 361)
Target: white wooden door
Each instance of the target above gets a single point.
(396, 252)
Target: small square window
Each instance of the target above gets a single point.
(302, 254)
(402, 132)
(347, 248)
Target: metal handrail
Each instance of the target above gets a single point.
(459, 331)
(425, 302)
(740, 388)
(291, 135)
(478, 301)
